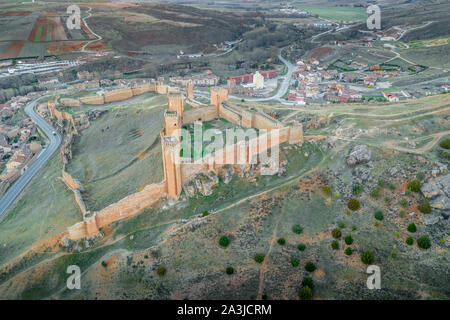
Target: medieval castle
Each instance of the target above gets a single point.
(177, 171)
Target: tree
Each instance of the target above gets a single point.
(335, 244)
(229, 270)
(224, 241)
(281, 241)
(336, 233)
(308, 282)
(354, 204)
(161, 271)
(310, 266)
(348, 239)
(412, 228)
(295, 262)
(424, 242)
(305, 293)
(301, 247)
(445, 143)
(259, 257)
(297, 229)
(348, 251)
(425, 207)
(409, 241)
(367, 257)
(414, 185)
(379, 215)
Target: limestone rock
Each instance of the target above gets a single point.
(359, 154)
(226, 174)
(201, 183)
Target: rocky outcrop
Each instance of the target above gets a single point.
(359, 154)
(201, 183)
(226, 173)
(437, 190)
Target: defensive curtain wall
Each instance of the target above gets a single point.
(176, 170)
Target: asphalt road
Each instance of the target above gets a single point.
(42, 157)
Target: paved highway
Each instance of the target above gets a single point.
(42, 157)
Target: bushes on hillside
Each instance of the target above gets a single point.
(348, 240)
(409, 241)
(281, 241)
(424, 242)
(335, 244)
(310, 266)
(414, 185)
(336, 233)
(412, 227)
(367, 257)
(425, 207)
(161, 271)
(297, 229)
(224, 241)
(301, 247)
(348, 251)
(305, 293)
(445, 143)
(354, 204)
(379, 215)
(259, 257)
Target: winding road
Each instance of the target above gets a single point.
(42, 157)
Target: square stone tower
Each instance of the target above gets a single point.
(176, 103)
(172, 166)
(218, 95)
(189, 90)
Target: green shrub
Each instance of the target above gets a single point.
(301, 247)
(336, 233)
(281, 241)
(353, 228)
(308, 282)
(379, 215)
(425, 207)
(104, 264)
(354, 204)
(310, 267)
(409, 241)
(445, 143)
(414, 185)
(357, 189)
(387, 199)
(336, 195)
(445, 154)
(375, 193)
(403, 202)
(335, 244)
(420, 176)
(412, 228)
(146, 257)
(392, 186)
(161, 271)
(397, 234)
(205, 213)
(224, 241)
(305, 293)
(229, 270)
(326, 189)
(341, 224)
(295, 262)
(402, 214)
(381, 182)
(348, 251)
(348, 240)
(424, 242)
(259, 257)
(367, 257)
(297, 229)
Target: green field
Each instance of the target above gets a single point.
(37, 38)
(338, 13)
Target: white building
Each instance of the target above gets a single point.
(258, 80)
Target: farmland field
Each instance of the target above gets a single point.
(13, 50)
(338, 13)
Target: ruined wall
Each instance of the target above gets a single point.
(70, 102)
(131, 204)
(97, 99)
(77, 231)
(143, 88)
(263, 121)
(229, 114)
(190, 90)
(207, 113)
(70, 181)
(118, 94)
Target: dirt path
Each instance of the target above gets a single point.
(392, 144)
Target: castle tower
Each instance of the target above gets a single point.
(172, 167)
(190, 90)
(176, 103)
(295, 133)
(172, 123)
(218, 95)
